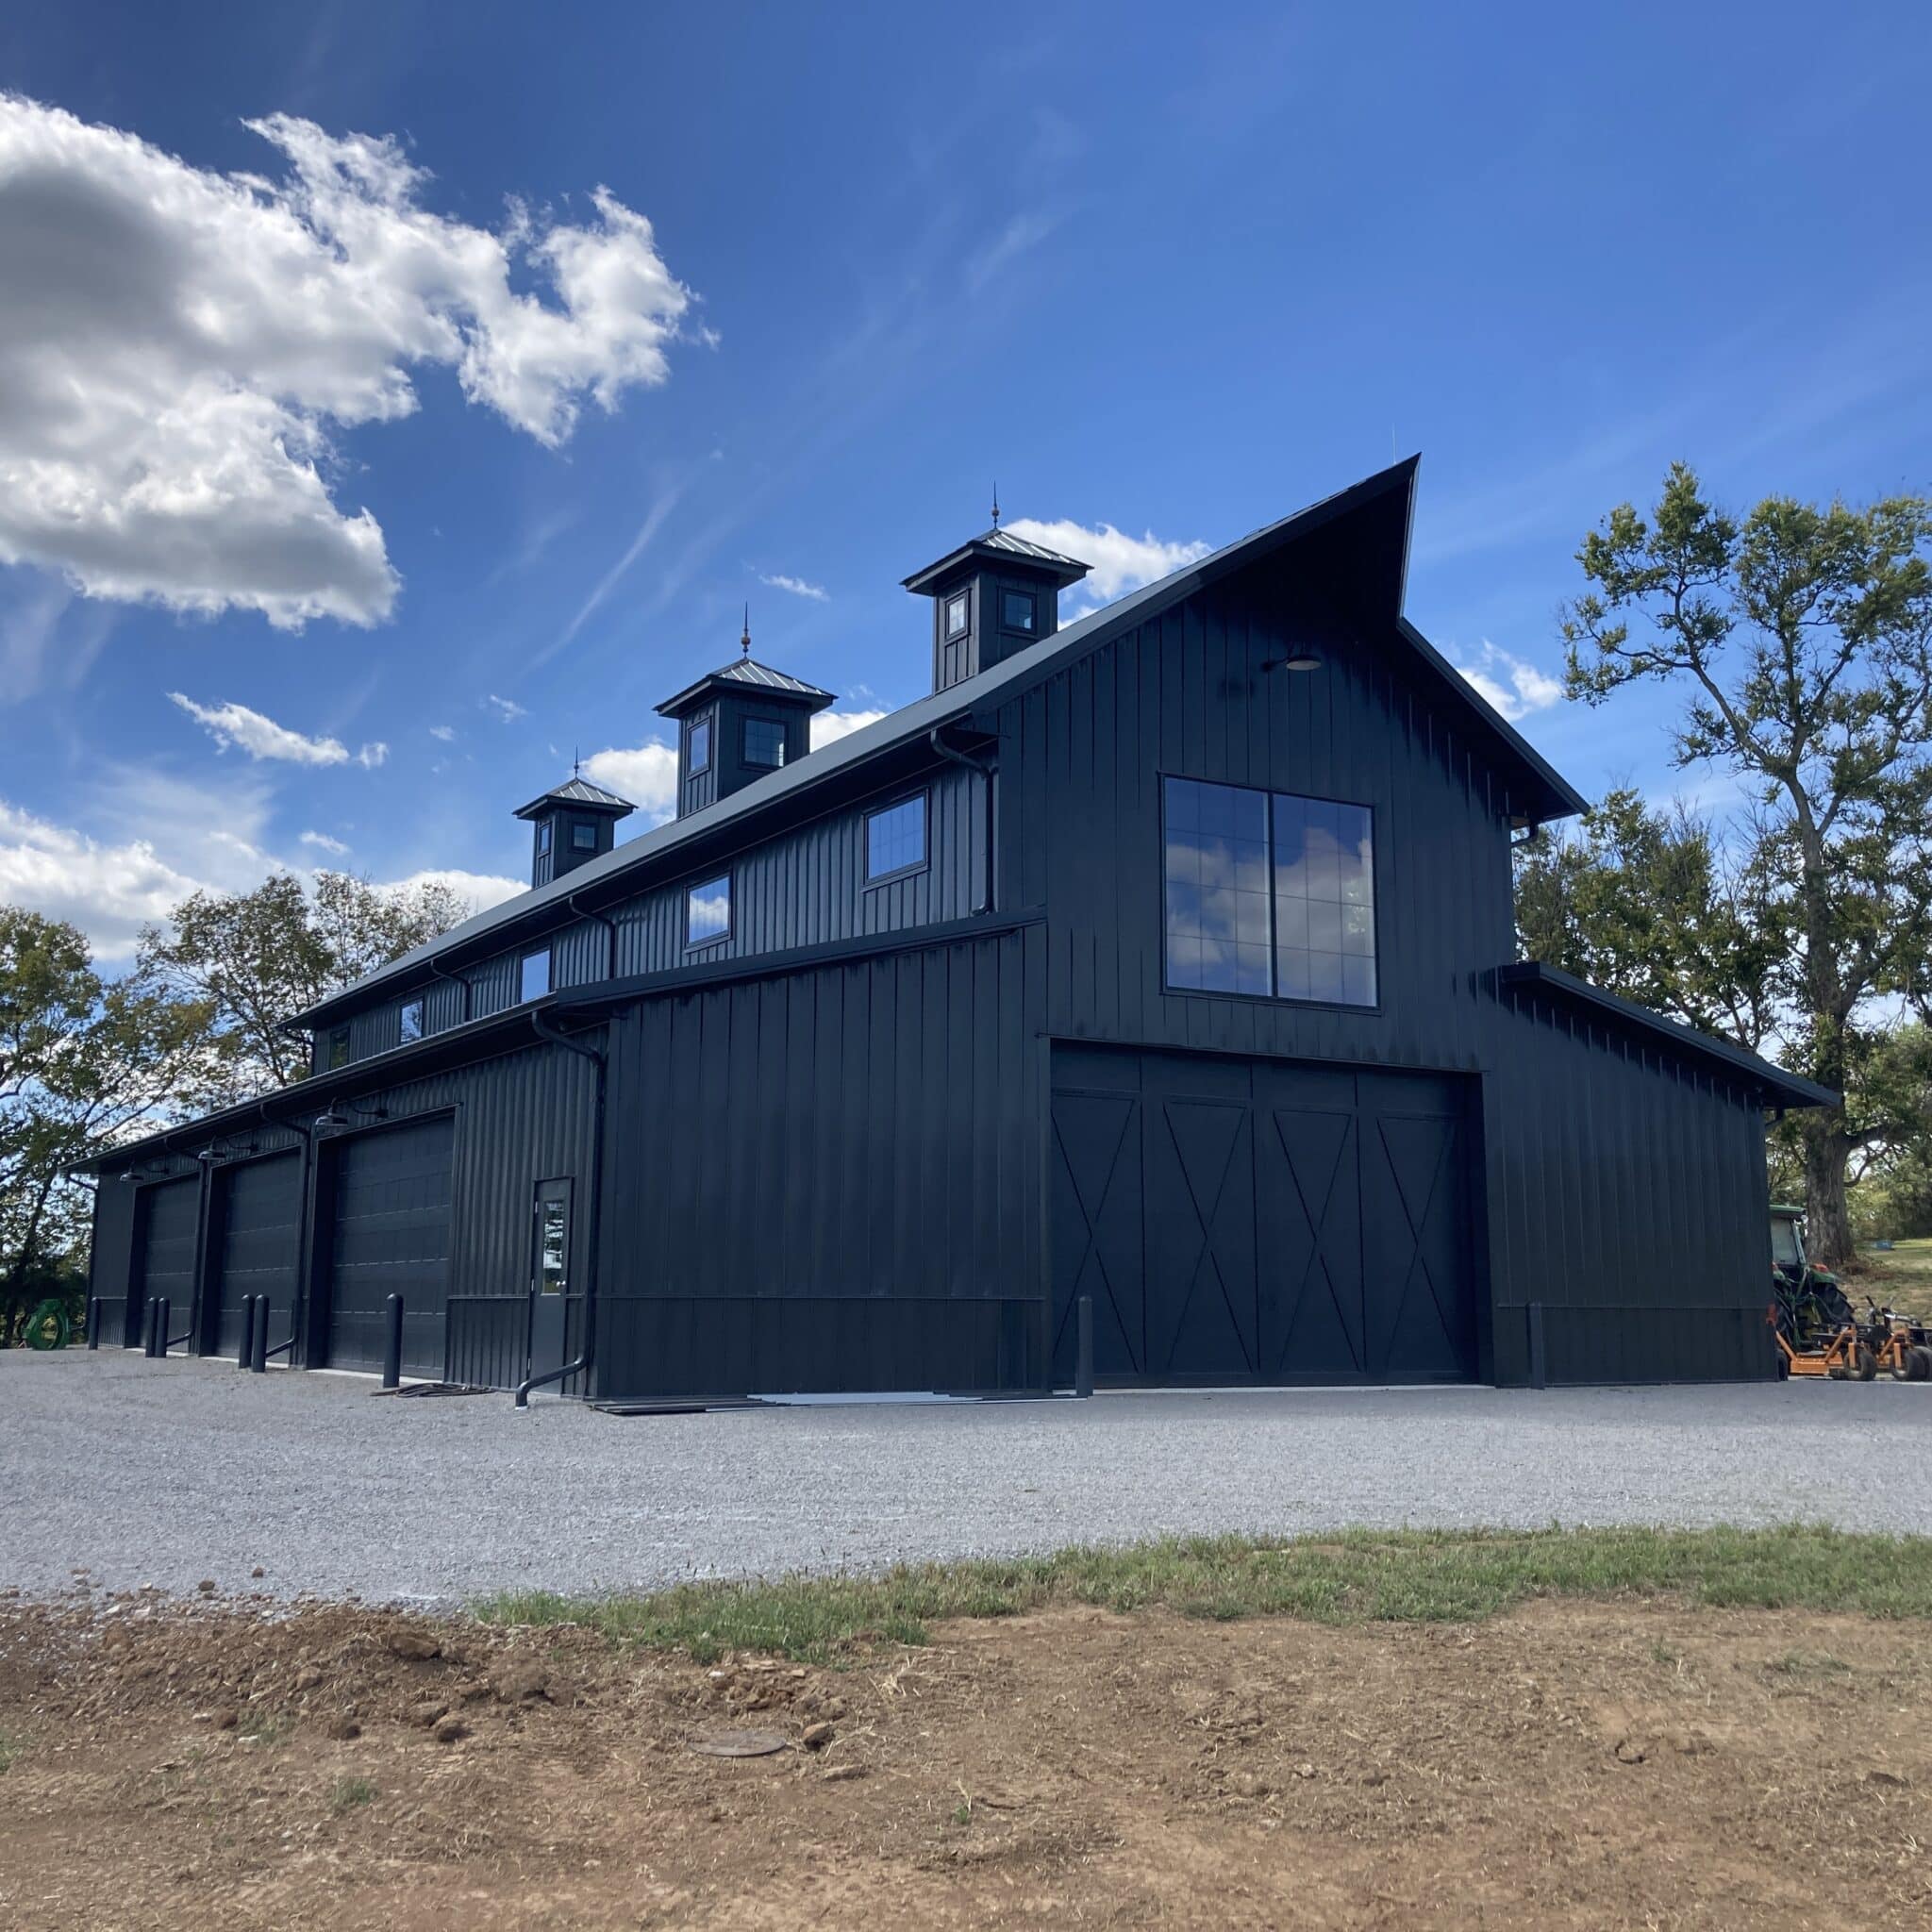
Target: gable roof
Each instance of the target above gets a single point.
(1007, 548)
(977, 697)
(1779, 1088)
(578, 791)
(746, 672)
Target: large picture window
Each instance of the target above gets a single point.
(895, 838)
(1268, 893)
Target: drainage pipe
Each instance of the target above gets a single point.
(985, 767)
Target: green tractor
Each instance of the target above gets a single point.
(1816, 1329)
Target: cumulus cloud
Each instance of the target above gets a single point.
(110, 892)
(483, 889)
(829, 726)
(646, 774)
(1514, 687)
(1121, 562)
(325, 844)
(237, 726)
(178, 348)
(797, 587)
(507, 709)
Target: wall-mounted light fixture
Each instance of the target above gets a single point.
(1300, 659)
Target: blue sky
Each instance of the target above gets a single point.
(1170, 274)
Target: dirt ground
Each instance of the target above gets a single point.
(1572, 1764)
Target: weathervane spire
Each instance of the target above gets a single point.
(744, 643)
(995, 506)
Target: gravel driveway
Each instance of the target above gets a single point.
(166, 1473)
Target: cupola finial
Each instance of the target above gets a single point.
(995, 506)
(744, 643)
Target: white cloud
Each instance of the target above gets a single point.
(797, 586)
(1121, 562)
(445, 733)
(261, 736)
(110, 892)
(324, 843)
(646, 774)
(179, 347)
(1512, 686)
(829, 726)
(507, 709)
(483, 889)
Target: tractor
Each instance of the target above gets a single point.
(1815, 1329)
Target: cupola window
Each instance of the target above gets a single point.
(959, 614)
(583, 836)
(764, 743)
(698, 757)
(1018, 611)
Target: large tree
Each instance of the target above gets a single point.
(1801, 639)
(257, 958)
(83, 1063)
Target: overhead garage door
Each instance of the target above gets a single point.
(170, 1214)
(261, 1222)
(1261, 1221)
(389, 1230)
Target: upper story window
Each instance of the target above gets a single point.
(764, 743)
(1018, 611)
(895, 838)
(959, 614)
(533, 976)
(707, 912)
(410, 1022)
(583, 836)
(542, 837)
(698, 747)
(338, 1047)
(1268, 893)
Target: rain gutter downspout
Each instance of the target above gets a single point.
(985, 767)
(608, 924)
(543, 1023)
(455, 980)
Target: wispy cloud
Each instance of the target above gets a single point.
(237, 726)
(1511, 684)
(505, 709)
(444, 734)
(796, 586)
(654, 521)
(1022, 233)
(325, 844)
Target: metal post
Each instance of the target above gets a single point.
(163, 1319)
(258, 1359)
(393, 1350)
(245, 1353)
(93, 1321)
(1083, 1345)
(1539, 1358)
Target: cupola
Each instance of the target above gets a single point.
(737, 723)
(571, 826)
(991, 597)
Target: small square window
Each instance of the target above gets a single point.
(895, 838)
(542, 837)
(698, 747)
(957, 612)
(409, 1023)
(533, 982)
(764, 743)
(583, 836)
(707, 912)
(339, 1048)
(1017, 612)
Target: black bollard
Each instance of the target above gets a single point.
(147, 1329)
(93, 1321)
(258, 1359)
(392, 1348)
(1083, 1344)
(162, 1320)
(245, 1353)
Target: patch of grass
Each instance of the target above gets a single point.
(1357, 1576)
(266, 1726)
(346, 1793)
(1807, 1663)
(10, 1749)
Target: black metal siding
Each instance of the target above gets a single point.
(829, 1179)
(110, 1257)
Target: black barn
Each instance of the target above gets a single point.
(1164, 961)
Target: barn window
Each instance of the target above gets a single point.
(1268, 893)
(764, 743)
(542, 837)
(959, 614)
(533, 980)
(583, 836)
(707, 912)
(409, 1023)
(1017, 612)
(698, 747)
(895, 839)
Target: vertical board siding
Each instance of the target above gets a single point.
(810, 1174)
(1627, 1195)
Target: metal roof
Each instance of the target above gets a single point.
(746, 672)
(579, 791)
(971, 696)
(1004, 544)
(1789, 1089)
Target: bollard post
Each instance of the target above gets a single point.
(392, 1348)
(147, 1332)
(93, 1321)
(162, 1320)
(245, 1353)
(1083, 1345)
(258, 1359)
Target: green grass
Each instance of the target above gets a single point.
(11, 1748)
(1357, 1576)
(346, 1793)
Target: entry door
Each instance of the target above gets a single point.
(550, 1284)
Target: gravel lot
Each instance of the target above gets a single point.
(166, 1473)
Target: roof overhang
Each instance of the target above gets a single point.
(1029, 560)
(1778, 1088)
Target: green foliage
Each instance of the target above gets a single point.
(256, 959)
(1354, 1578)
(1802, 638)
(347, 1794)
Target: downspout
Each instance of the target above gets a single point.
(455, 980)
(541, 1023)
(985, 767)
(608, 924)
